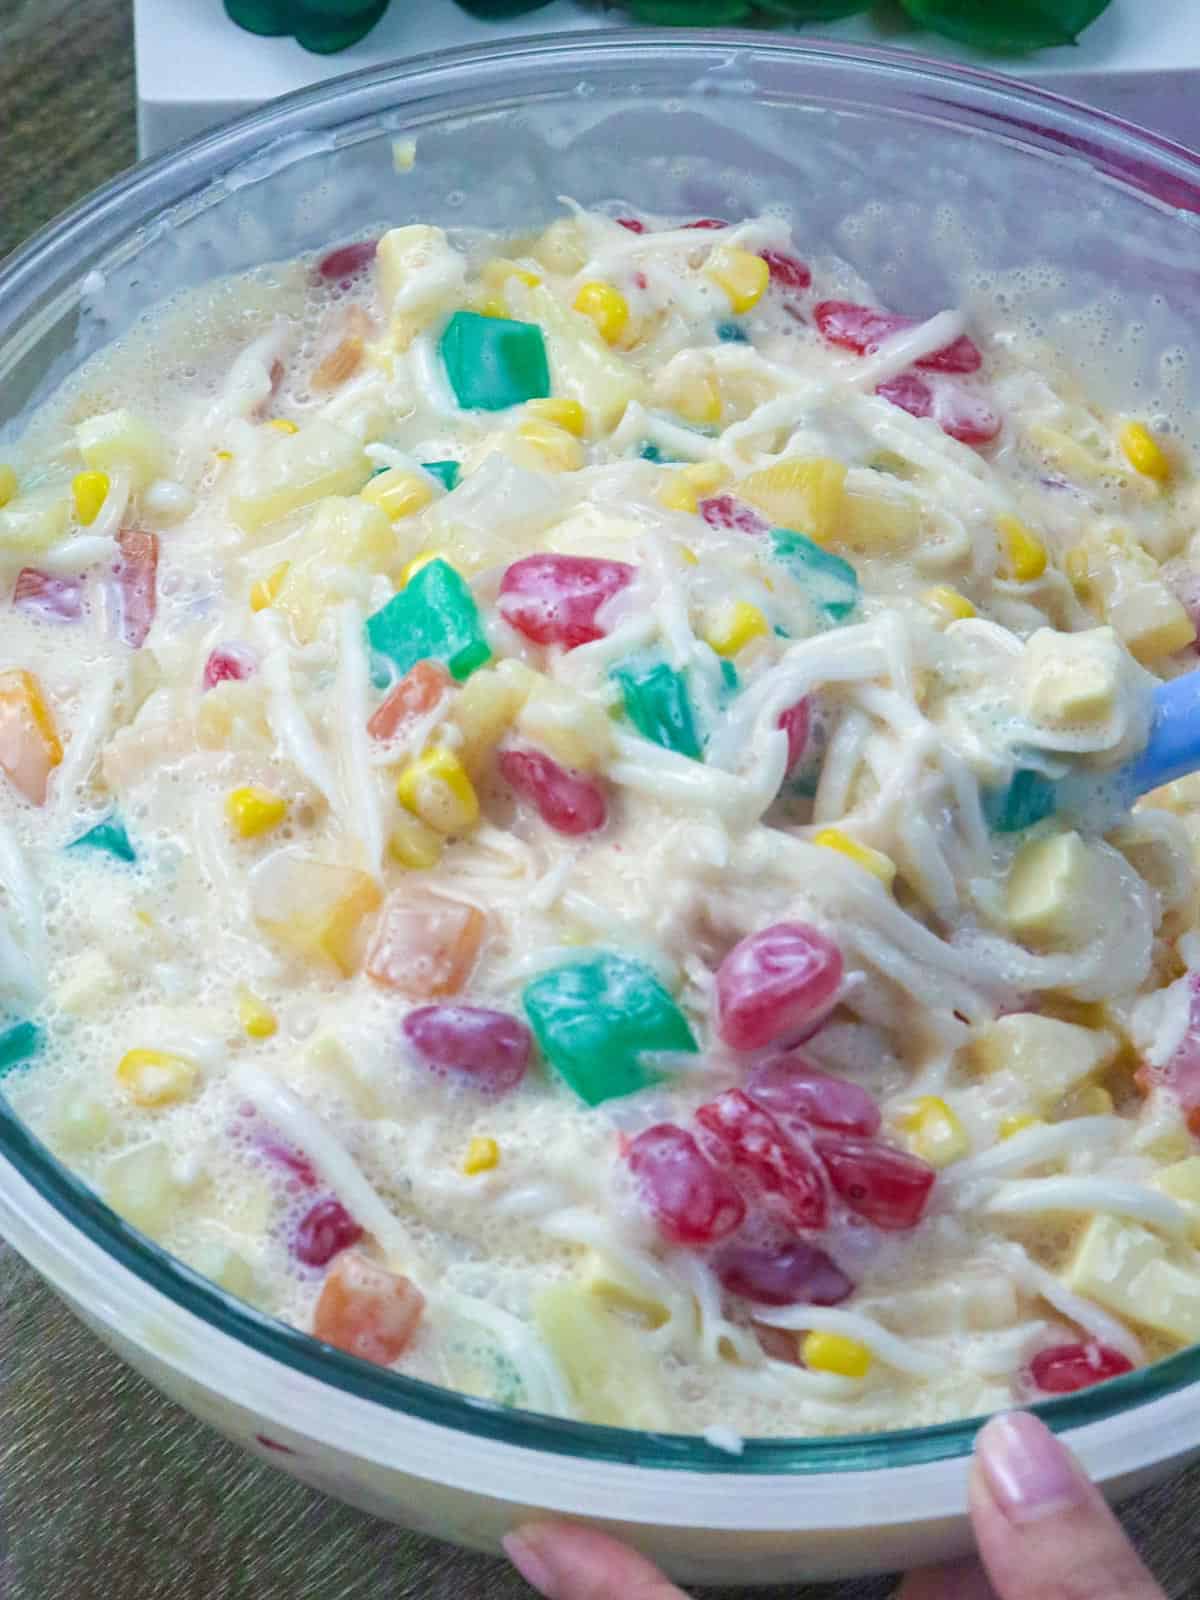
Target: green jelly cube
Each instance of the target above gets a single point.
(1028, 798)
(730, 682)
(649, 451)
(434, 617)
(494, 362)
(832, 582)
(658, 704)
(730, 333)
(19, 1043)
(446, 472)
(109, 836)
(596, 1019)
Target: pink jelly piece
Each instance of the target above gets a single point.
(286, 1155)
(706, 222)
(1068, 1368)
(964, 416)
(554, 599)
(775, 984)
(781, 1344)
(725, 511)
(863, 329)
(1181, 1074)
(137, 584)
(796, 722)
(47, 597)
(756, 1146)
(229, 663)
(797, 1094)
(691, 1201)
(632, 224)
(888, 1187)
(490, 1048)
(791, 1274)
(567, 801)
(324, 1230)
(347, 261)
(787, 272)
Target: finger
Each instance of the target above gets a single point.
(563, 1562)
(1041, 1527)
(965, 1580)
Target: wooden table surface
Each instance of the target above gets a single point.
(107, 1491)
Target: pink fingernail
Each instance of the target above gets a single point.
(1031, 1475)
(530, 1564)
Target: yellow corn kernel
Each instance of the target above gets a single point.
(8, 483)
(744, 277)
(687, 486)
(156, 1077)
(496, 273)
(1026, 555)
(224, 455)
(947, 604)
(398, 493)
(874, 861)
(607, 307)
(413, 844)
(257, 1019)
(733, 627)
(1017, 1122)
(436, 788)
(89, 490)
(807, 493)
(554, 448)
(265, 592)
(699, 401)
(1144, 453)
(937, 1134)
(418, 561)
(282, 425)
(482, 1156)
(834, 1352)
(489, 305)
(687, 555)
(564, 413)
(253, 811)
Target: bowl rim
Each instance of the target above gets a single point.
(1154, 168)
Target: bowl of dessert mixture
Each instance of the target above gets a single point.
(575, 932)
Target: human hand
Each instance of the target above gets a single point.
(1043, 1532)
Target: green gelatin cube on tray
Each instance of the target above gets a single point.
(832, 582)
(596, 1020)
(658, 704)
(433, 618)
(109, 836)
(1028, 798)
(446, 472)
(19, 1043)
(494, 362)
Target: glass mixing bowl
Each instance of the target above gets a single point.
(940, 185)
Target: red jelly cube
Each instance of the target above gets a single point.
(569, 802)
(137, 584)
(888, 1187)
(47, 597)
(554, 599)
(632, 224)
(324, 1230)
(1070, 1367)
(229, 663)
(788, 272)
(863, 329)
(795, 1273)
(754, 1143)
(347, 262)
(796, 722)
(490, 1048)
(691, 1201)
(956, 411)
(776, 984)
(724, 511)
(706, 222)
(797, 1094)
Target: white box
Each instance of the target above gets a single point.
(1140, 60)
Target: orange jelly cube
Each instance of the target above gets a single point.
(425, 948)
(418, 691)
(366, 1310)
(29, 743)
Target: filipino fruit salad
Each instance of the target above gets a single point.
(530, 836)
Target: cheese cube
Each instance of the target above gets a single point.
(1069, 680)
(1049, 1056)
(1126, 1269)
(1150, 620)
(315, 909)
(1059, 891)
(568, 726)
(599, 1275)
(1182, 1182)
(608, 1369)
(291, 470)
(35, 521)
(418, 274)
(120, 441)
(485, 708)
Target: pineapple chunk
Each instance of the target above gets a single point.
(419, 275)
(345, 533)
(605, 1362)
(1049, 1056)
(1059, 891)
(225, 1267)
(142, 1187)
(233, 716)
(1182, 1182)
(563, 246)
(1071, 680)
(1114, 572)
(582, 366)
(874, 521)
(291, 470)
(1126, 1269)
(316, 909)
(486, 707)
(807, 494)
(569, 726)
(608, 1281)
(119, 441)
(36, 520)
